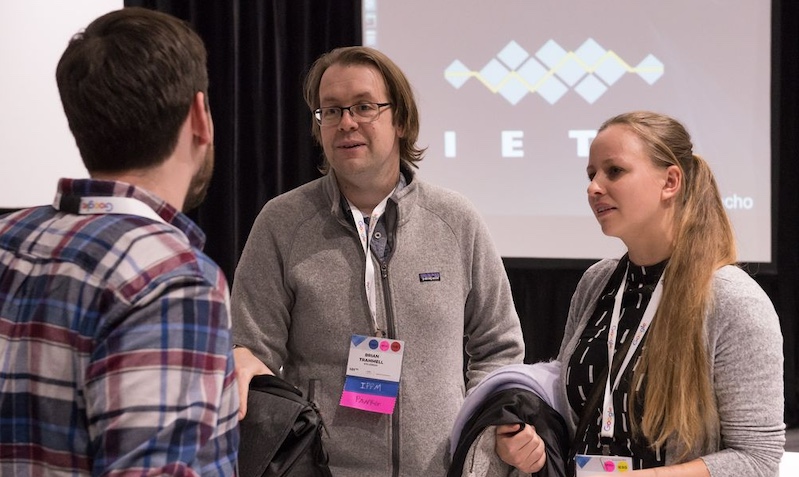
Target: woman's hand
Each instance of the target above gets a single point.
(520, 446)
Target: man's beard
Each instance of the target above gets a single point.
(200, 182)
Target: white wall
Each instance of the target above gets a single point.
(37, 145)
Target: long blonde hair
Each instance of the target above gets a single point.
(678, 400)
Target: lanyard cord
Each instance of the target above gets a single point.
(366, 226)
(608, 411)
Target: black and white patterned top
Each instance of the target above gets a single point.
(591, 357)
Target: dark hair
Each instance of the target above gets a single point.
(127, 83)
(400, 94)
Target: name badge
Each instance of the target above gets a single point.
(374, 366)
(593, 465)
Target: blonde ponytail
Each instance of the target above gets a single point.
(678, 400)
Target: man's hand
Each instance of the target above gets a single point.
(247, 366)
(520, 446)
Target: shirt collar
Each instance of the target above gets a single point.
(102, 188)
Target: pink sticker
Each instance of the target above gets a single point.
(368, 402)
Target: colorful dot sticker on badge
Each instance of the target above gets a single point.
(582, 460)
(596, 465)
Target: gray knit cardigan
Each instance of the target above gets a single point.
(746, 365)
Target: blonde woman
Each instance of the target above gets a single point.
(699, 386)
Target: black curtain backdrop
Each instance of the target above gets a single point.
(259, 52)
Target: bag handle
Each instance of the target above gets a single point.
(267, 381)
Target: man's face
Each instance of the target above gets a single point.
(360, 153)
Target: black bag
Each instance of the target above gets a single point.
(281, 435)
(512, 406)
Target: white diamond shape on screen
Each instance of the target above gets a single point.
(650, 69)
(513, 55)
(532, 72)
(550, 54)
(493, 73)
(514, 90)
(590, 89)
(552, 71)
(552, 90)
(457, 73)
(610, 70)
(571, 71)
(590, 52)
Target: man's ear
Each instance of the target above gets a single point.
(673, 183)
(202, 125)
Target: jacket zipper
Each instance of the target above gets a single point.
(392, 334)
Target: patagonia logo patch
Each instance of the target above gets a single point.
(430, 277)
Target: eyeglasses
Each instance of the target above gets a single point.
(361, 113)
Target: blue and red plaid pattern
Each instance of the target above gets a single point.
(115, 351)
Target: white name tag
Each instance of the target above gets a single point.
(375, 358)
(593, 465)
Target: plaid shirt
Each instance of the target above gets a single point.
(115, 351)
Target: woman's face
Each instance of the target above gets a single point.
(628, 194)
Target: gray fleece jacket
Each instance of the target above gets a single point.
(298, 296)
(746, 366)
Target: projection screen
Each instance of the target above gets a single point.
(511, 94)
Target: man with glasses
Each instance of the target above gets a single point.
(371, 255)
